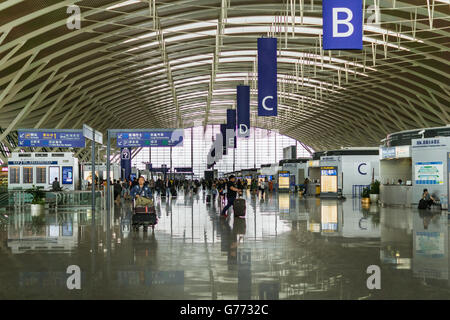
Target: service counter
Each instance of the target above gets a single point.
(396, 195)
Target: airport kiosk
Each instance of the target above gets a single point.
(420, 158)
(395, 165)
(313, 174)
(430, 161)
(355, 168)
(40, 169)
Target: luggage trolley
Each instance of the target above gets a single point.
(144, 216)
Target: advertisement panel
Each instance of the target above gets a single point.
(67, 175)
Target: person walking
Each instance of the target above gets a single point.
(232, 192)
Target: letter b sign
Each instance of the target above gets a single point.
(342, 24)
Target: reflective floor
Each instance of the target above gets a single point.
(287, 247)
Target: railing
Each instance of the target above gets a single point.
(20, 198)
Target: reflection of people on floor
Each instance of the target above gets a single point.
(145, 249)
(428, 217)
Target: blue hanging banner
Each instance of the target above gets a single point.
(125, 163)
(243, 111)
(231, 125)
(267, 77)
(223, 132)
(342, 24)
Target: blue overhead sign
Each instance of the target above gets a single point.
(51, 138)
(342, 24)
(151, 138)
(267, 77)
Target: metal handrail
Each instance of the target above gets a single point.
(19, 198)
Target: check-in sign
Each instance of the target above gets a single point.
(342, 24)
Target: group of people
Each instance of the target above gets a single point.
(160, 187)
(226, 189)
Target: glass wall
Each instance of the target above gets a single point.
(269, 149)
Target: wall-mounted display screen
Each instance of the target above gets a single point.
(328, 179)
(67, 175)
(53, 173)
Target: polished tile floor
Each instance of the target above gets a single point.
(287, 247)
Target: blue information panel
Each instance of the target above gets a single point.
(329, 172)
(157, 138)
(51, 138)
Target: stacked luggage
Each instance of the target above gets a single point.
(145, 217)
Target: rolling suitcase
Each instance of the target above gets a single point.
(173, 192)
(239, 208)
(145, 220)
(208, 198)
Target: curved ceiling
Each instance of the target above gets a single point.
(141, 64)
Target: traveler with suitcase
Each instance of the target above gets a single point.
(232, 192)
(144, 209)
(142, 194)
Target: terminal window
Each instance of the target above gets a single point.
(14, 175)
(254, 151)
(27, 175)
(41, 175)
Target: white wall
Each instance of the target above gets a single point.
(357, 170)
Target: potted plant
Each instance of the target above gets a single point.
(38, 202)
(374, 191)
(365, 196)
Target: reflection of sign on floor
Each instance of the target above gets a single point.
(430, 244)
(130, 278)
(52, 279)
(269, 291)
(244, 257)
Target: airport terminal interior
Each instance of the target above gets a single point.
(224, 149)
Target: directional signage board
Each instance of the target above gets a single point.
(88, 132)
(51, 138)
(151, 138)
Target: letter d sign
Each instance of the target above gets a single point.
(342, 24)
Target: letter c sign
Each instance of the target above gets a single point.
(359, 168)
(342, 24)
